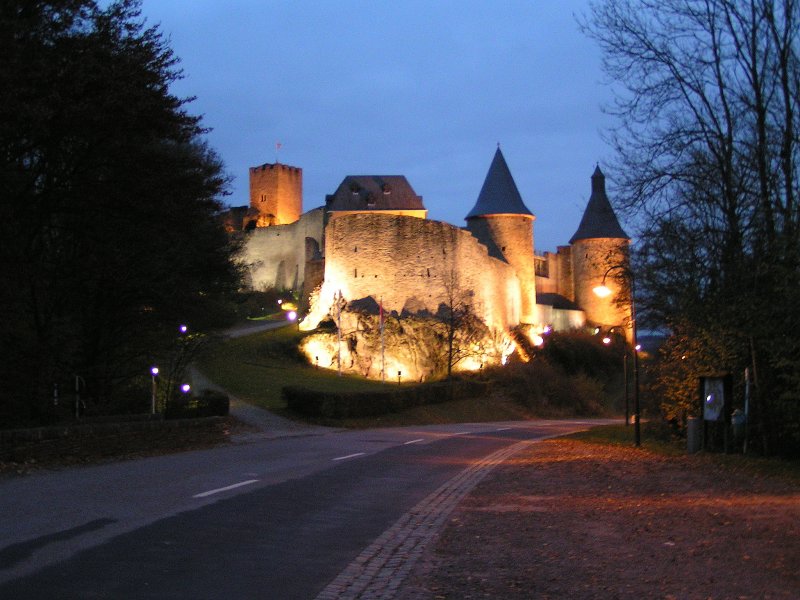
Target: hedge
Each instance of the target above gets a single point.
(208, 404)
(342, 405)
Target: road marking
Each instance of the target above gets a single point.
(224, 489)
(503, 429)
(349, 456)
(414, 441)
(462, 433)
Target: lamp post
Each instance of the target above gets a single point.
(607, 341)
(602, 291)
(153, 374)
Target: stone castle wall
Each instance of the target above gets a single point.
(276, 192)
(410, 263)
(558, 279)
(591, 259)
(511, 237)
(277, 255)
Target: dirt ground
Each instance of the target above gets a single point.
(568, 519)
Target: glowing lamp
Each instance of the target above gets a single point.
(154, 371)
(537, 340)
(183, 328)
(185, 388)
(602, 291)
(291, 315)
(606, 340)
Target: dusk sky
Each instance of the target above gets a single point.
(421, 89)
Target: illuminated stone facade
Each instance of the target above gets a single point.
(276, 195)
(372, 239)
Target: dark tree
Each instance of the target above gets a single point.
(707, 96)
(107, 221)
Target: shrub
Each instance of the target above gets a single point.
(209, 403)
(340, 405)
(548, 390)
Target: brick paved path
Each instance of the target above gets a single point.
(379, 571)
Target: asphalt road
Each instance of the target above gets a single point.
(277, 518)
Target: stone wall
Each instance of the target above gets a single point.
(591, 259)
(276, 192)
(510, 237)
(276, 256)
(409, 263)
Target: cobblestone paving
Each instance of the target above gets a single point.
(379, 571)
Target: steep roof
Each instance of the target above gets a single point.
(374, 192)
(499, 194)
(599, 220)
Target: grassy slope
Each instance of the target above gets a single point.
(255, 368)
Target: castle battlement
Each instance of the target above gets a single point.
(276, 194)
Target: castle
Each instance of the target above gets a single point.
(372, 239)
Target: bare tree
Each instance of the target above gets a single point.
(706, 96)
(463, 329)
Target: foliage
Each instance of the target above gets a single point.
(707, 100)
(109, 203)
(573, 373)
(580, 352)
(688, 354)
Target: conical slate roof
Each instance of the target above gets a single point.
(499, 194)
(599, 220)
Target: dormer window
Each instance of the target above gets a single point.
(370, 200)
(387, 189)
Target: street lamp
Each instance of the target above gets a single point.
(603, 292)
(153, 374)
(607, 340)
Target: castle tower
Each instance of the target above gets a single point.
(600, 248)
(276, 194)
(501, 221)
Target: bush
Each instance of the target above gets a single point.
(548, 390)
(209, 403)
(341, 405)
(577, 352)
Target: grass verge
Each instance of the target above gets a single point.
(653, 440)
